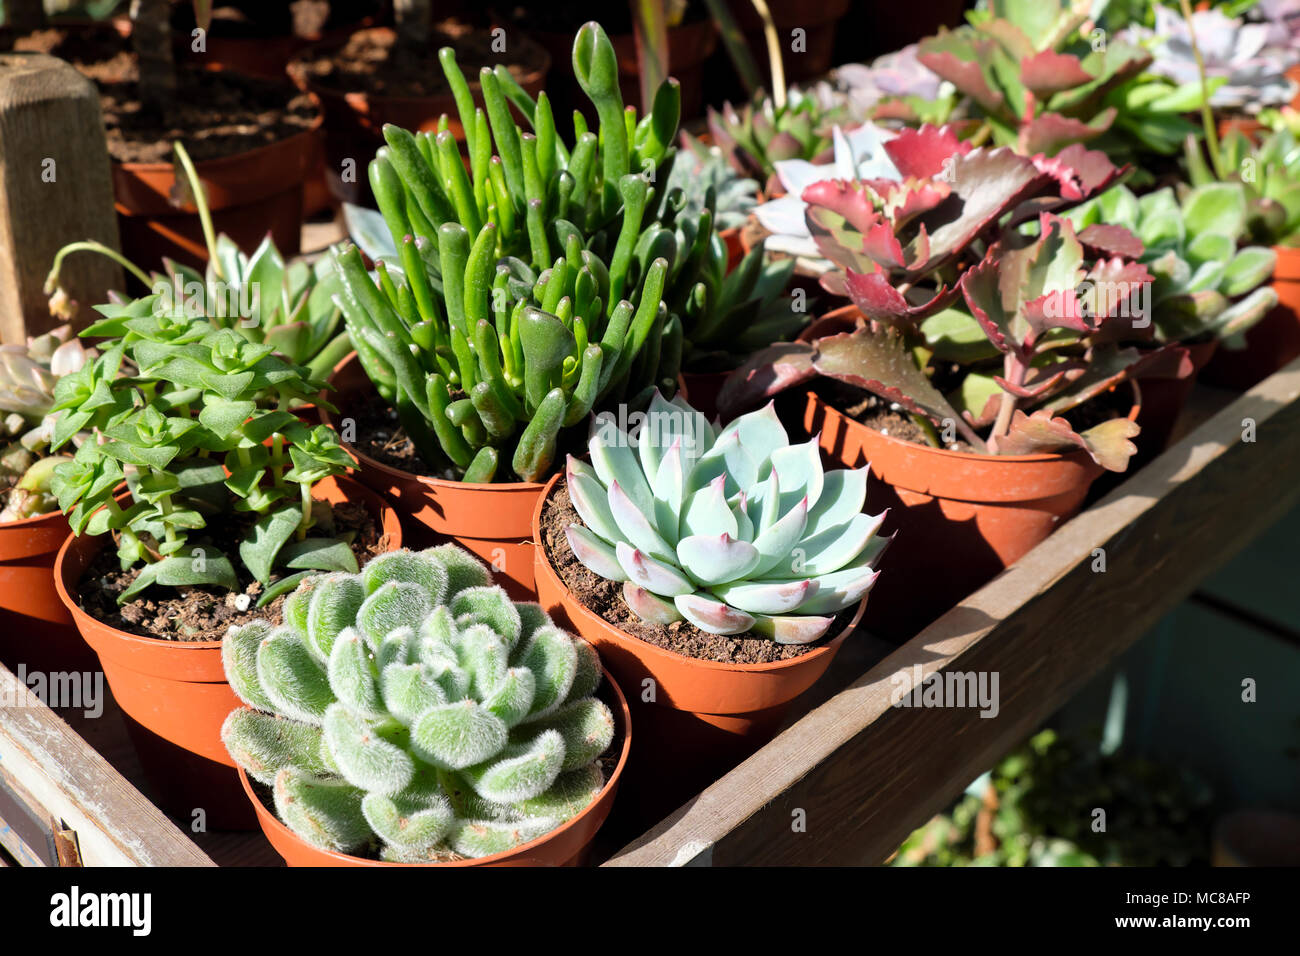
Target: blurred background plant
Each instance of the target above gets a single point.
(1038, 806)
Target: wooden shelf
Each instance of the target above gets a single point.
(864, 773)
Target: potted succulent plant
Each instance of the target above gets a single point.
(734, 195)
(544, 304)
(1268, 178)
(719, 570)
(383, 75)
(1208, 286)
(413, 713)
(229, 500)
(972, 437)
(31, 526)
(289, 306)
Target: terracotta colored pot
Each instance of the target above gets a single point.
(961, 518)
(250, 194)
(176, 691)
(492, 520)
(354, 121)
(1275, 339)
(35, 628)
(1163, 400)
(702, 717)
(565, 846)
(817, 20)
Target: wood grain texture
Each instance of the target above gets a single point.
(114, 824)
(863, 773)
(51, 126)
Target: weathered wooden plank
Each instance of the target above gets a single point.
(55, 188)
(113, 823)
(861, 773)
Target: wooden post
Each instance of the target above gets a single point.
(55, 188)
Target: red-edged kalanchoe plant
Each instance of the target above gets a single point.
(1030, 77)
(978, 228)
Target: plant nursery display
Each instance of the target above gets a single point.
(593, 409)
(416, 713)
(1033, 808)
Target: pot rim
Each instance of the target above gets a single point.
(32, 521)
(363, 459)
(328, 45)
(264, 814)
(830, 646)
(220, 162)
(1037, 457)
(78, 614)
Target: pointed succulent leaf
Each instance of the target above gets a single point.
(635, 526)
(650, 607)
(767, 597)
(707, 513)
(832, 549)
(594, 554)
(591, 500)
(712, 615)
(792, 630)
(714, 559)
(656, 576)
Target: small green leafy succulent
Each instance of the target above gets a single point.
(708, 181)
(288, 306)
(760, 134)
(734, 530)
(28, 376)
(1205, 281)
(1269, 176)
(195, 420)
(415, 710)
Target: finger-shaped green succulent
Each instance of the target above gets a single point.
(733, 529)
(413, 710)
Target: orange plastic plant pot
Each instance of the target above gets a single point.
(493, 520)
(697, 718)
(567, 845)
(959, 518)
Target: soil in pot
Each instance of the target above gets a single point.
(253, 139)
(215, 113)
(373, 62)
(205, 613)
(369, 79)
(605, 599)
(494, 521)
(173, 690)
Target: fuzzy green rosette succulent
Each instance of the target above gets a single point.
(734, 530)
(415, 710)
